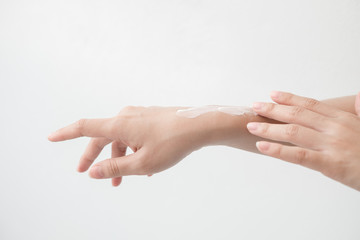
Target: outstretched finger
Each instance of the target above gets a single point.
(292, 114)
(291, 133)
(305, 157)
(308, 103)
(118, 149)
(92, 151)
(84, 127)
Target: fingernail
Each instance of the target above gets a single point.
(96, 172)
(275, 94)
(263, 146)
(257, 105)
(252, 126)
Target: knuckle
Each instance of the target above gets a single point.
(291, 130)
(295, 112)
(269, 107)
(286, 97)
(113, 167)
(128, 108)
(264, 128)
(277, 151)
(301, 156)
(80, 125)
(337, 128)
(310, 103)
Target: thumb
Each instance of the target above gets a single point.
(357, 104)
(116, 167)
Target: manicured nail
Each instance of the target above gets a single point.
(257, 105)
(263, 146)
(275, 94)
(96, 172)
(252, 126)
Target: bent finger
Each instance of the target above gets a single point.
(84, 127)
(297, 155)
(118, 149)
(92, 151)
(116, 167)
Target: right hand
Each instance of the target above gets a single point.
(326, 138)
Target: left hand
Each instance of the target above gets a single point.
(326, 139)
(158, 137)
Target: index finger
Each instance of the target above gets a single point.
(84, 127)
(308, 103)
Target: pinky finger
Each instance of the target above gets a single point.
(301, 156)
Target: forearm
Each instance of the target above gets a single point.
(219, 128)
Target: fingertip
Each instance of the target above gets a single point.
(54, 137)
(115, 184)
(252, 126)
(257, 106)
(116, 181)
(262, 146)
(275, 94)
(50, 137)
(80, 169)
(96, 172)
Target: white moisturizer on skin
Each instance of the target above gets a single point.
(194, 112)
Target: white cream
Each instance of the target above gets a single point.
(194, 112)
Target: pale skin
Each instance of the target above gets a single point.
(322, 136)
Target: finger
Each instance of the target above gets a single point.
(292, 133)
(305, 157)
(116, 181)
(357, 104)
(118, 149)
(116, 167)
(291, 114)
(84, 127)
(308, 103)
(92, 151)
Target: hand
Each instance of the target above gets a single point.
(326, 139)
(158, 138)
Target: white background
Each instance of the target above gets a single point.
(65, 60)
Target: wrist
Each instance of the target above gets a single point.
(217, 128)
